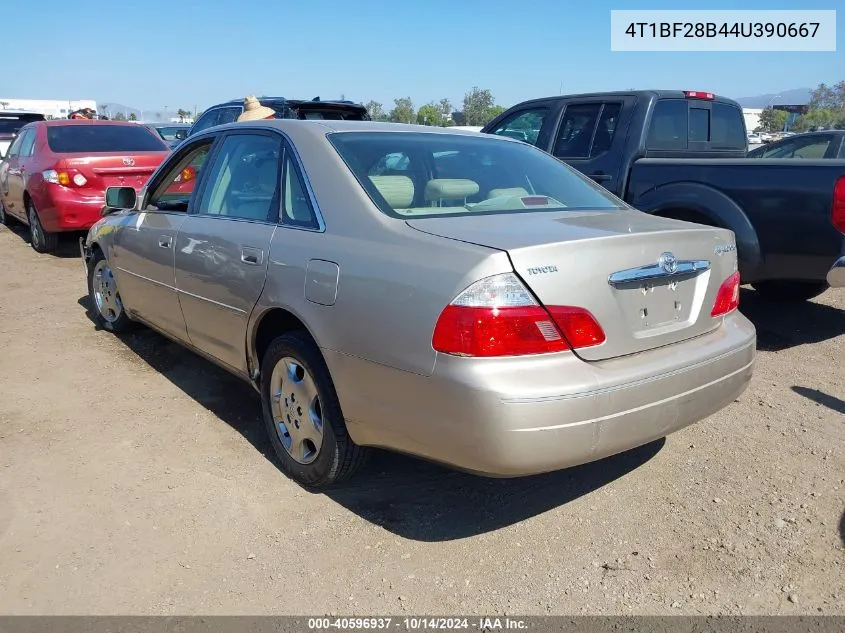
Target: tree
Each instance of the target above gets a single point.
(183, 114)
(103, 110)
(132, 116)
(826, 97)
(403, 110)
(772, 120)
(479, 107)
(477, 103)
(445, 109)
(120, 116)
(3, 104)
(375, 110)
(493, 112)
(430, 114)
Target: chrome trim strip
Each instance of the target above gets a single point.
(152, 281)
(656, 271)
(217, 303)
(184, 292)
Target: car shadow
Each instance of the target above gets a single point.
(781, 326)
(409, 497)
(822, 398)
(68, 242)
(842, 528)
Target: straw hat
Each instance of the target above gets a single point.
(254, 111)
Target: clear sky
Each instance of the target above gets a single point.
(183, 53)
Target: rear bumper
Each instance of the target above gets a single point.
(836, 275)
(513, 417)
(63, 209)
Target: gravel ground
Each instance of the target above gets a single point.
(135, 479)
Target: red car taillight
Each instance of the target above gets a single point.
(498, 316)
(64, 178)
(837, 214)
(727, 299)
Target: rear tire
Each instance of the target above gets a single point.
(40, 240)
(302, 414)
(103, 297)
(788, 291)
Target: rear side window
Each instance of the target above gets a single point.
(576, 130)
(668, 129)
(727, 127)
(70, 139)
(28, 142)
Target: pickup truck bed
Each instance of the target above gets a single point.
(683, 155)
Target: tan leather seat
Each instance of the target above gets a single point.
(439, 190)
(398, 191)
(507, 191)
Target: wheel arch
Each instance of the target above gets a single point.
(710, 206)
(266, 326)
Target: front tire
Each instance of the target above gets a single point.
(103, 297)
(302, 414)
(790, 291)
(40, 240)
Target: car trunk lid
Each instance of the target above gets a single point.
(113, 170)
(648, 281)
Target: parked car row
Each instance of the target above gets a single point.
(557, 288)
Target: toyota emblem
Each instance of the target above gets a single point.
(668, 263)
(129, 162)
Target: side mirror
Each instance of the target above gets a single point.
(119, 199)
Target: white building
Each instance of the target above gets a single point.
(58, 109)
(752, 118)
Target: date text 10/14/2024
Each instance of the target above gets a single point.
(418, 623)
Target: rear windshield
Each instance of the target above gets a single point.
(675, 123)
(99, 137)
(426, 175)
(12, 123)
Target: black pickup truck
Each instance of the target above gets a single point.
(682, 155)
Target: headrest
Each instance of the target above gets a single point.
(397, 190)
(450, 189)
(509, 191)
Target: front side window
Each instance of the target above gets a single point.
(576, 130)
(174, 190)
(457, 175)
(524, 125)
(228, 115)
(243, 181)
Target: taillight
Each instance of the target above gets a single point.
(727, 299)
(64, 178)
(498, 316)
(837, 214)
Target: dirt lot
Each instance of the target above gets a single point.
(135, 478)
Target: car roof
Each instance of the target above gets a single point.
(659, 94)
(325, 126)
(240, 102)
(60, 122)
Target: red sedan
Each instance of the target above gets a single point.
(56, 172)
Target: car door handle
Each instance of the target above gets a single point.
(165, 241)
(600, 177)
(252, 256)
